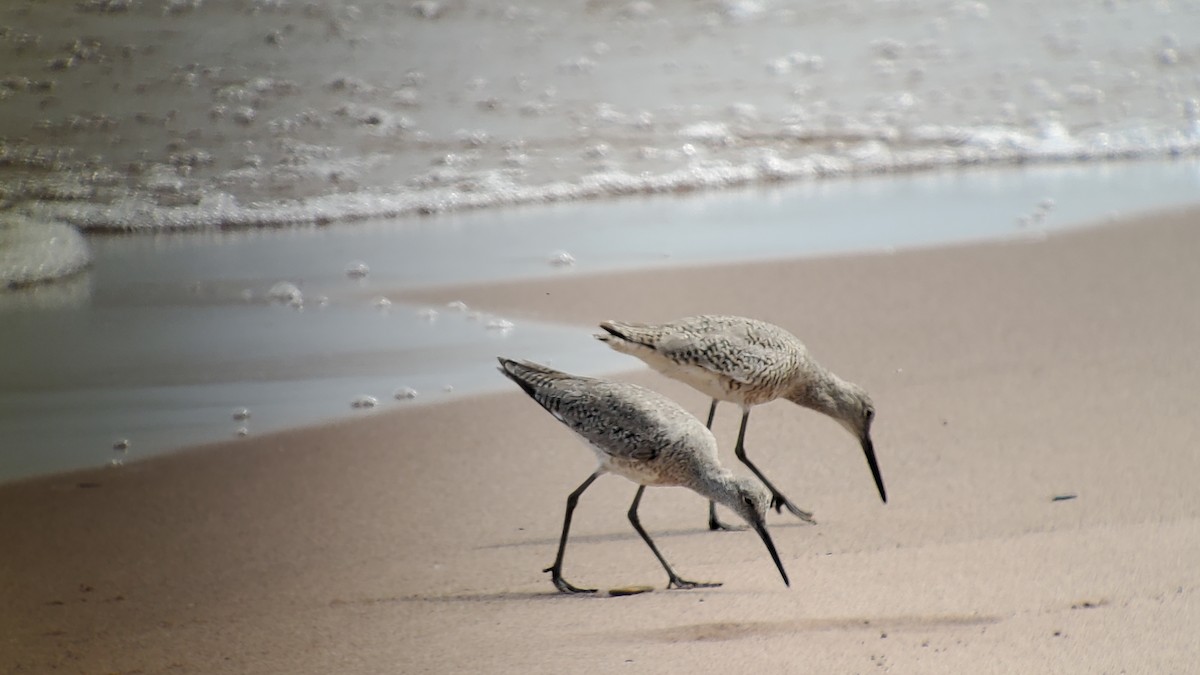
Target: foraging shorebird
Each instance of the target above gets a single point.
(748, 362)
(647, 438)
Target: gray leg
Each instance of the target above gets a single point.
(555, 570)
(713, 522)
(637, 525)
(777, 498)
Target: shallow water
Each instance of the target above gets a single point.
(165, 336)
(224, 117)
(804, 219)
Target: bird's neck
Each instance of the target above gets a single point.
(717, 485)
(817, 390)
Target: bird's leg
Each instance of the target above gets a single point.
(555, 570)
(713, 522)
(777, 498)
(675, 581)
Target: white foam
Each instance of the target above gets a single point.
(357, 269)
(34, 250)
(562, 259)
(286, 292)
(906, 89)
(364, 401)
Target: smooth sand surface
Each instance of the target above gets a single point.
(408, 542)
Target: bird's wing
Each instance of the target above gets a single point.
(622, 420)
(734, 351)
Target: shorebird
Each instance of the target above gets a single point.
(748, 362)
(646, 438)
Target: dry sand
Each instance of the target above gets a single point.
(411, 542)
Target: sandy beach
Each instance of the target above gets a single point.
(412, 542)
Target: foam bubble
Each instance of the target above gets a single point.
(357, 269)
(364, 401)
(286, 292)
(33, 250)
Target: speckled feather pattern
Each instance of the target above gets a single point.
(730, 358)
(635, 432)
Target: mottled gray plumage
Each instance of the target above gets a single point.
(645, 437)
(748, 362)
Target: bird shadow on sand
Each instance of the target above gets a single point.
(633, 536)
(495, 596)
(720, 631)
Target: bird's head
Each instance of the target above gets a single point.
(750, 500)
(851, 406)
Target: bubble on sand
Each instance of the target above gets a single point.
(449, 389)
(121, 445)
(286, 292)
(114, 463)
(457, 305)
(404, 394)
(500, 325)
(382, 302)
(562, 259)
(241, 414)
(357, 269)
(242, 432)
(364, 401)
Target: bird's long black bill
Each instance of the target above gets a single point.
(761, 528)
(869, 450)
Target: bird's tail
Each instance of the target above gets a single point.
(539, 381)
(628, 338)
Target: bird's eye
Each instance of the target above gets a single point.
(748, 501)
(870, 414)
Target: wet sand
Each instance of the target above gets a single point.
(1004, 375)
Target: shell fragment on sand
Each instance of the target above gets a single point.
(630, 590)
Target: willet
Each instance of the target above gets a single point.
(748, 362)
(647, 438)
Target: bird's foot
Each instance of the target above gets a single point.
(779, 501)
(684, 584)
(563, 586)
(714, 524)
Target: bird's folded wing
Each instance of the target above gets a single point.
(732, 353)
(626, 428)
